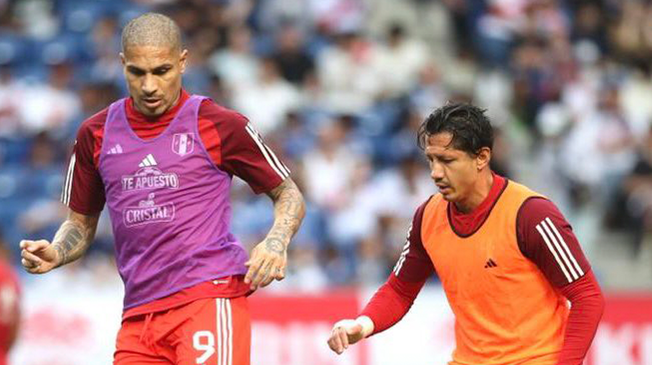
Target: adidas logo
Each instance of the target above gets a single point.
(148, 161)
(115, 150)
(490, 263)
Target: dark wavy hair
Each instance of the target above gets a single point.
(468, 124)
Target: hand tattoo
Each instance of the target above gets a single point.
(274, 245)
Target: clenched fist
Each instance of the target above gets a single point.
(38, 257)
(349, 331)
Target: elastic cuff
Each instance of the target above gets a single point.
(367, 325)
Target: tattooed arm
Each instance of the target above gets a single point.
(269, 258)
(71, 241)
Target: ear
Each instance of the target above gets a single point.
(183, 59)
(123, 59)
(483, 157)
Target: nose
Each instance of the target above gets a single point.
(149, 84)
(436, 171)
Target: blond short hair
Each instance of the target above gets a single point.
(151, 29)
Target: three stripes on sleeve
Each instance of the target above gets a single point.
(271, 158)
(67, 185)
(559, 249)
(406, 250)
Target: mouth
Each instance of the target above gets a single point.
(152, 103)
(443, 188)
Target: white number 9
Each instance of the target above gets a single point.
(208, 345)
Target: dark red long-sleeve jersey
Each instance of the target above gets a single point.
(393, 300)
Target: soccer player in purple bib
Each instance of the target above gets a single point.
(162, 161)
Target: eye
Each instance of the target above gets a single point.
(136, 71)
(161, 71)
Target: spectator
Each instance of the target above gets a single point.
(329, 168)
(236, 64)
(9, 103)
(293, 61)
(50, 106)
(268, 99)
(409, 54)
(347, 73)
(637, 189)
(106, 43)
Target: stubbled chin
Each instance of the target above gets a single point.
(448, 196)
(150, 112)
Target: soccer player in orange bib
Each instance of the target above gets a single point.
(507, 259)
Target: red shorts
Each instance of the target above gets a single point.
(214, 331)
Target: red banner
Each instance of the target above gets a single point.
(292, 330)
(625, 333)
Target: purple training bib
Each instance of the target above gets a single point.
(169, 206)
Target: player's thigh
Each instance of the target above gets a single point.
(131, 349)
(220, 334)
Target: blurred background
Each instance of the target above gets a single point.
(338, 88)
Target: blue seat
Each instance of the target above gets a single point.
(14, 49)
(67, 47)
(31, 73)
(14, 151)
(79, 16)
(45, 182)
(14, 184)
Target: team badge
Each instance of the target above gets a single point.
(183, 143)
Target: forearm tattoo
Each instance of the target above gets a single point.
(289, 210)
(72, 240)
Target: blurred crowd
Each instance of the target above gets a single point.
(338, 88)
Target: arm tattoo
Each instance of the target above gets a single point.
(289, 210)
(73, 239)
